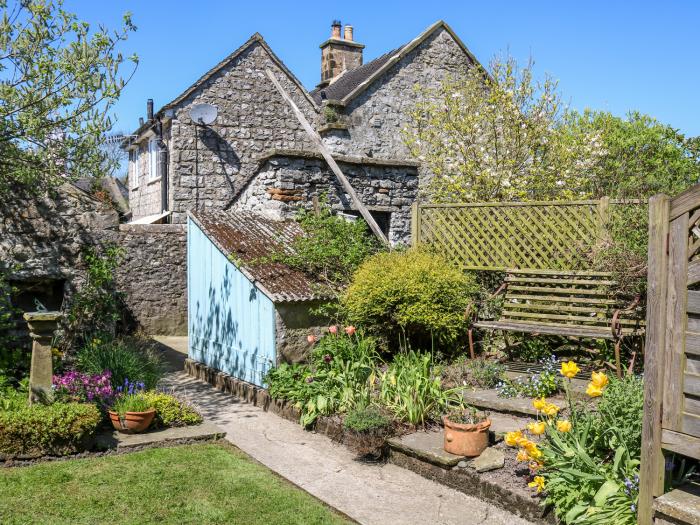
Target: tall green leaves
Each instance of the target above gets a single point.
(60, 80)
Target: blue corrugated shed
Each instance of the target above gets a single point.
(232, 295)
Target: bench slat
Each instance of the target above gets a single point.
(577, 318)
(562, 299)
(543, 280)
(511, 305)
(582, 291)
(528, 271)
(551, 329)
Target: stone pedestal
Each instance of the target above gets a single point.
(42, 326)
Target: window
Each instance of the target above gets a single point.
(153, 151)
(134, 168)
(382, 218)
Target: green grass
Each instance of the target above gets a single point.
(202, 484)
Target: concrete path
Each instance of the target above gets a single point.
(369, 493)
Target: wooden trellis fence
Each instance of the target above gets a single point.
(552, 235)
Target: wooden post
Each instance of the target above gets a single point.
(603, 219)
(415, 224)
(316, 139)
(651, 473)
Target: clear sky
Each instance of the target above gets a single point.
(610, 55)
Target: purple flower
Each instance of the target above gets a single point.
(327, 358)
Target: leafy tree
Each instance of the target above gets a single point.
(59, 81)
(641, 156)
(499, 136)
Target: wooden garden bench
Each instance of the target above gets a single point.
(567, 304)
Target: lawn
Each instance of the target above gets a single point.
(188, 484)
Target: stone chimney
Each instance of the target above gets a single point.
(339, 54)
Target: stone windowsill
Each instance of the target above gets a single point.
(153, 181)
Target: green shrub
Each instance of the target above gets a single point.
(58, 429)
(619, 415)
(14, 360)
(331, 248)
(340, 377)
(130, 358)
(366, 419)
(171, 411)
(411, 294)
(411, 389)
(96, 307)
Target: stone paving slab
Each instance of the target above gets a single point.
(427, 446)
(488, 399)
(205, 431)
(681, 504)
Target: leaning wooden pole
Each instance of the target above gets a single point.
(651, 473)
(316, 139)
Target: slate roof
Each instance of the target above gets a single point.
(350, 80)
(246, 238)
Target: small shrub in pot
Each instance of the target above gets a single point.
(466, 432)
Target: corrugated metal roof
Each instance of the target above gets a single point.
(248, 238)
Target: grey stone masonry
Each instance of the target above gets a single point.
(153, 276)
(209, 166)
(377, 116)
(289, 180)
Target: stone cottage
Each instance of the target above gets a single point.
(255, 155)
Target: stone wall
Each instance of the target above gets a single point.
(288, 180)
(294, 322)
(153, 276)
(42, 237)
(209, 166)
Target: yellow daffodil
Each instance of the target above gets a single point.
(532, 450)
(539, 403)
(569, 369)
(511, 438)
(593, 390)
(536, 429)
(599, 379)
(537, 483)
(550, 410)
(564, 425)
(522, 455)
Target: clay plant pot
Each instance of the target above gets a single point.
(468, 440)
(132, 422)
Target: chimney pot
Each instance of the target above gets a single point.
(149, 109)
(348, 33)
(140, 121)
(335, 29)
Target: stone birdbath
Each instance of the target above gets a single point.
(42, 326)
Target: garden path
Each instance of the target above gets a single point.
(368, 493)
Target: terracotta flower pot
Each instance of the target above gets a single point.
(132, 422)
(466, 439)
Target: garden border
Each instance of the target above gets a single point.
(469, 483)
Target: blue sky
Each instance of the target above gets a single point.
(610, 55)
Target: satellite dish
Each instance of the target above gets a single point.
(203, 114)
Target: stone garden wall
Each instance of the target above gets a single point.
(153, 276)
(42, 239)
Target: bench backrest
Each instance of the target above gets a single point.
(565, 298)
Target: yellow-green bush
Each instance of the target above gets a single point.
(411, 293)
(57, 429)
(171, 411)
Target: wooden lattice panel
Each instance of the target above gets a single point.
(496, 236)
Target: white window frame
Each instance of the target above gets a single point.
(135, 172)
(153, 151)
